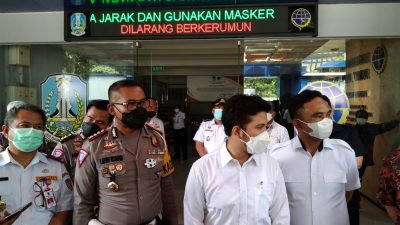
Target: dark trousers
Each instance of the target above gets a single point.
(353, 208)
(180, 143)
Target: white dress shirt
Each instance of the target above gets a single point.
(16, 187)
(179, 120)
(157, 124)
(211, 135)
(316, 185)
(221, 192)
(277, 133)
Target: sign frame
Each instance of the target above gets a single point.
(288, 33)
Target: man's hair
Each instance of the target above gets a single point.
(102, 105)
(298, 101)
(13, 104)
(121, 84)
(362, 113)
(238, 110)
(12, 113)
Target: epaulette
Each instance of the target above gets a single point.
(207, 120)
(154, 129)
(97, 135)
(68, 137)
(54, 158)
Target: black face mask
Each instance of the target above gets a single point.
(151, 114)
(89, 129)
(135, 119)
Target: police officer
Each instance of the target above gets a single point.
(125, 170)
(96, 119)
(153, 120)
(28, 176)
(211, 134)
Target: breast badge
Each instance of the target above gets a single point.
(150, 163)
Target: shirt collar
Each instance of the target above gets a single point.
(226, 157)
(5, 158)
(325, 144)
(212, 122)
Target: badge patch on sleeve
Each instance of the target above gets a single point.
(83, 154)
(168, 168)
(57, 153)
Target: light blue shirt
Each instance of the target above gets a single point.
(16, 187)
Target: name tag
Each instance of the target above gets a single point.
(40, 179)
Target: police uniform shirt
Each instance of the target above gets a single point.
(211, 135)
(316, 185)
(277, 134)
(219, 191)
(17, 188)
(157, 124)
(138, 164)
(67, 151)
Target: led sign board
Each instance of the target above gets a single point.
(92, 4)
(199, 22)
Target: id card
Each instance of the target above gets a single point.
(49, 198)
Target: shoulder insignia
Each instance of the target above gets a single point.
(66, 138)
(83, 154)
(153, 128)
(57, 153)
(96, 135)
(168, 168)
(207, 120)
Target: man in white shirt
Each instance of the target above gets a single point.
(179, 133)
(154, 121)
(211, 134)
(320, 173)
(28, 176)
(277, 132)
(239, 184)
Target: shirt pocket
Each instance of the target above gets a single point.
(295, 187)
(335, 178)
(335, 182)
(6, 196)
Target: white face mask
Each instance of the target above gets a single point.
(269, 117)
(361, 121)
(257, 144)
(176, 110)
(321, 129)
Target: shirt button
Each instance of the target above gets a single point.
(315, 193)
(141, 198)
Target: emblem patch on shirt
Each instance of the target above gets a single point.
(57, 153)
(150, 163)
(83, 154)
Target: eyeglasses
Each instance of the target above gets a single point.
(132, 105)
(39, 198)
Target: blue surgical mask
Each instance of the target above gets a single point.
(218, 114)
(27, 139)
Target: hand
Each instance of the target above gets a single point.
(2, 217)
